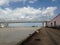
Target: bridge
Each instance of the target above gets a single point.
(6, 23)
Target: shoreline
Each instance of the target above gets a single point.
(37, 38)
(29, 37)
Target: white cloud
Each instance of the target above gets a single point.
(49, 11)
(6, 2)
(26, 13)
(3, 2)
(32, 1)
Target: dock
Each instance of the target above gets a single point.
(45, 36)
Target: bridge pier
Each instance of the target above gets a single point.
(46, 23)
(6, 25)
(43, 24)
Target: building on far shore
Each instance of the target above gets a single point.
(3, 25)
(55, 22)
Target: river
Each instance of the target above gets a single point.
(11, 36)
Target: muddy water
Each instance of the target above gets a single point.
(11, 36)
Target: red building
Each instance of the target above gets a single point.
(55, 22)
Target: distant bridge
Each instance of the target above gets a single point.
(22, 21)
(7, 22)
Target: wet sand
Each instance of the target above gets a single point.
(11, 36)
(46, 36)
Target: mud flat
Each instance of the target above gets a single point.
(11, 36)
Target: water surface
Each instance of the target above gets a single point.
(11, 36)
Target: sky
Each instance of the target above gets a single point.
(29, 10)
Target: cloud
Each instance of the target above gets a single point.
(3, 2)
(26, 13)
(32, 1)
(49, 10)
(6, 2)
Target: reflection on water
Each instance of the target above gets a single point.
(11, 36)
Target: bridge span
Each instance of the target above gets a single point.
(6, 23)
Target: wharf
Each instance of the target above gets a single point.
(45, 36)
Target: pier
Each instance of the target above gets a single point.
(46, 36)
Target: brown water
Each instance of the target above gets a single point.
(11, 36)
